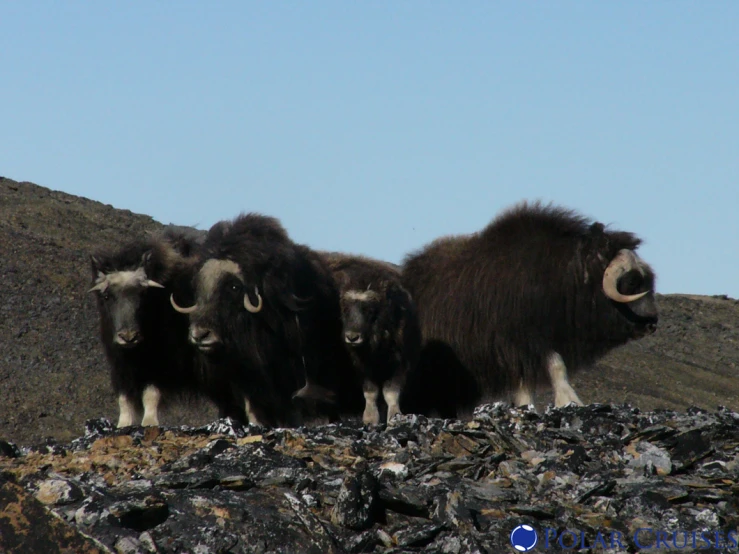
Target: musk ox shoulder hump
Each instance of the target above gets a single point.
(252, 226)
(339, 261)
(526, 217)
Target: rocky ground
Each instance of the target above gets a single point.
(602, 476)
(416, 485)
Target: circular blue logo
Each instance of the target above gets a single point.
(523, 538)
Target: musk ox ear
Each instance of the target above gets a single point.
(147, 264)
(146, 261)
(95, 263)
(98, 275)
(97, 266)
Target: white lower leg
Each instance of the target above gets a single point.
(523, 396)
(391, 394)
(250, 413)
(150, 399)
(371, 413)
(127, 411)
(563, 392)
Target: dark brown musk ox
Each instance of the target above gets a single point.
(541, 290)
(267, 322)
(380, 328)
(145, 342)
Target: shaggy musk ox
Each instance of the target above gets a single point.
(541, 289)
(380, 327)
(144, 340)
(266, 320)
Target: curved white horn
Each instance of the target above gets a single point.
(177, 308)
(99, 286)
(150, 283)
(251, 307)
(624, 262)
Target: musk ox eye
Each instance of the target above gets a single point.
(105, 295)
(631, 283)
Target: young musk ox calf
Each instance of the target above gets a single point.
(144, 340)
(380, 328)
(539, 290)
(267, 321)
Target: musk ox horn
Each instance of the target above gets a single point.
(177, 308)
(101, 286)
(251, 307)
(624, 262)
(150, 283)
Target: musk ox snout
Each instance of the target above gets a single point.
(644, 314)
(203, 338)
(128, 338)
(353, 338)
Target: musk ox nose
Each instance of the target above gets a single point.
(353, 338)
(202, 337)
(198, 334)
(651, 327)
(128, 337)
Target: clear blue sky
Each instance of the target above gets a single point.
(375, 127)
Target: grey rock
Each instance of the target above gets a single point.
(415, 485)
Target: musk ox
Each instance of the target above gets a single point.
(539, 291)
(380, 328)
(266, 320)
(144, 340)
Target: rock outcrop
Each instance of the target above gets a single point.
(594, 475)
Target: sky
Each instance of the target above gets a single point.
(376, 127)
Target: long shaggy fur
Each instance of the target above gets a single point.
(267, 356)
(163, 358)
(494, 304)
(393, 342)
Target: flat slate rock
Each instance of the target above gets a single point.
(592, 475)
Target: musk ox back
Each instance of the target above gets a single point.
(144, 340)
(380, 328)
(265, 319)
(541, 289)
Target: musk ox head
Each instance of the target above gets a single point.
(369, 316)
(223, 296)
(230, 300)
(120, 293)
(629, 283)
(359, 313)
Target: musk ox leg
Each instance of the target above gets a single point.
(391, 393)
(523, 396)
(251, 413)
(371, 393)
(150, 399)
(127, 411)
(563, 392)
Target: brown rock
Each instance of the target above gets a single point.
(26, 526)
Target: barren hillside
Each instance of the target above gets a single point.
(53, 375)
